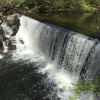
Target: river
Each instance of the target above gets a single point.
(81, 22)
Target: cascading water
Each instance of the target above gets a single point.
(7, 33)
(63, 56)
(5, 45)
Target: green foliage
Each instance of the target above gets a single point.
(94, 2)
(56, 4)
(85, 86)
(29, 2)
(96, 28)
(16, 2)
(84, 4)
(47, 1)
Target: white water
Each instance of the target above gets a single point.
(7, 30)
(62, 54)
(1, 56)
(30, 51)
(5, 45)
(7, 33)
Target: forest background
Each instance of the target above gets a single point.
(52, 5)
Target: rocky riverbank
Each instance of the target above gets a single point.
(8, 8)
(12, 21)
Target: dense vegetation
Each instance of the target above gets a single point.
(85, 86)
(40, 5)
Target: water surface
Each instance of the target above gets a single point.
(77, 21)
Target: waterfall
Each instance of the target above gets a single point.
(70, 50)
(65, 51)
(65, 55)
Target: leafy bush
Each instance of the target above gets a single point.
(85, 86)
(84, 4)
(16, 2)
(96, 28)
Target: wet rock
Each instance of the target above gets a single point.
(1, 31)
(11, 19)
(1, 45)
(5, 38)
(13, 22)
(11, 46)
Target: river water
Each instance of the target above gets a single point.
(77, 21)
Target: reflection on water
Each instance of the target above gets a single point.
(76, 21)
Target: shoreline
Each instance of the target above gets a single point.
(73, 9)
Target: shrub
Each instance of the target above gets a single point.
(85, 86)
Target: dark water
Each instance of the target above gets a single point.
(20, 80)
(77, 21)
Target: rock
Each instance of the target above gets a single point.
(26, 8)
(1, 45)
(10, 46)
(11, 19)
(1, 14)
(0, 21)
(1, 17)
(5, 38)
(6, 7)
(13, 22)
(1, 31)
(16, 6)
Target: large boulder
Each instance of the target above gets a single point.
(12, 19)
(13, 22)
